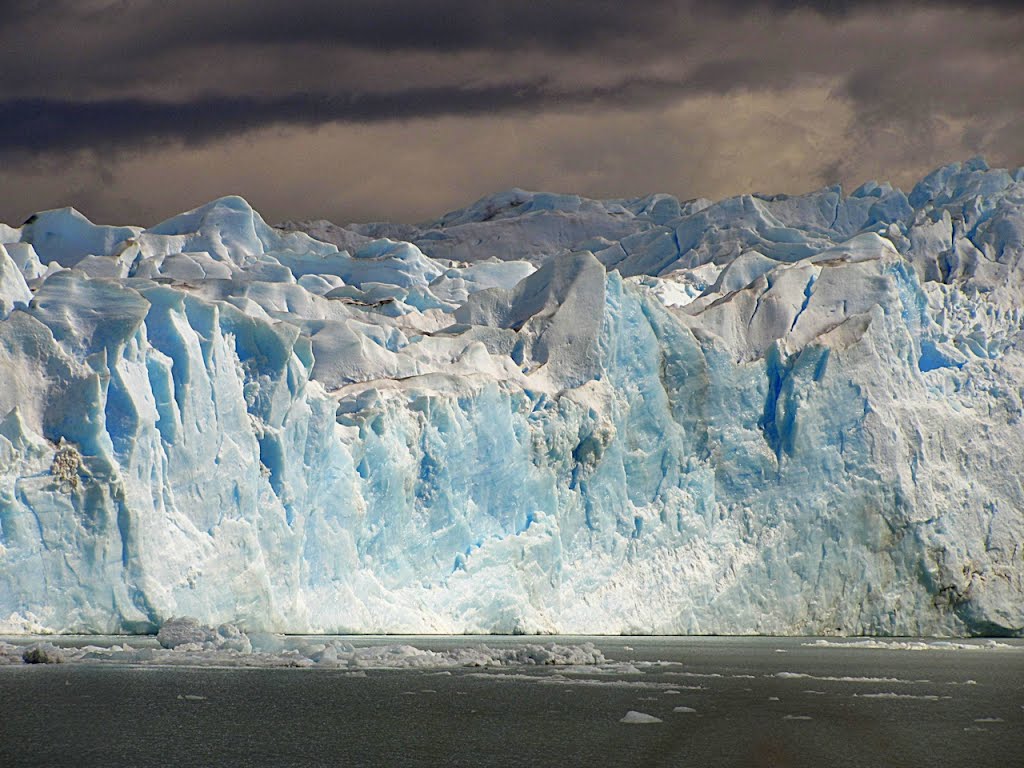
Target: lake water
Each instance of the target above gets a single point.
(756, 702)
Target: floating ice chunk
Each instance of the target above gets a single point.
(10, 653)
(398, 656)
(188, 633)
(844, 679)
(187, 642)
(912, 645)
(183, 631)
(559, 679)
(639, 718)
(687, 710)
(43, 653)
(695, 674)
(265, 642)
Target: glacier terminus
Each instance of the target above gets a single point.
(538, 414)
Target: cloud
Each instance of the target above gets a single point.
(131, 81)
(417, 169)
(149, 48)
(41, 125)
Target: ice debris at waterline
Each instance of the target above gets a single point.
(639, 718)
(792, 415)
(186, 642)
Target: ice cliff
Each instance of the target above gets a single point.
(538, 414)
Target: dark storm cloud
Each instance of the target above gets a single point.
(909, 81)
(846, 7)
(441, 25)
(154, 50)
(895, 80)
(105, 41)
(41, 125)
(447, 24)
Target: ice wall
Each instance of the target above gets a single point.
(785, 415)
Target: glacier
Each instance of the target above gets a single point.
(539, 414)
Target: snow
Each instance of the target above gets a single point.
(539, 414)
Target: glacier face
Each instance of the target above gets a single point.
(793, 415)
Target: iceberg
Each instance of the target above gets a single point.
(540, 414)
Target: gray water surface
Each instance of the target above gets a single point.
(757, 702)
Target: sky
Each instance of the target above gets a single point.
(358, 110)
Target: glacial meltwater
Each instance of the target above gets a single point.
(493, 701)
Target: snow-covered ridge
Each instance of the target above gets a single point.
(791, 415)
